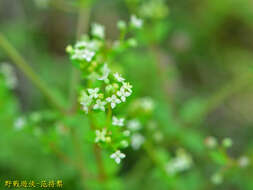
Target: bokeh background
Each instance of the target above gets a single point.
(194, 59)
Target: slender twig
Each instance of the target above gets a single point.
(61, 155)
(99, 161)
(98, 155)
(79, 152)
(20, 62)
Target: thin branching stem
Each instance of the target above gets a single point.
(20, 62)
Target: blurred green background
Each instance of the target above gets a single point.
(194, 59)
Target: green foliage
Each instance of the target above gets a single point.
(157, 97)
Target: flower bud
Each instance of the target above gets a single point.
(121, 25)
(227, 142)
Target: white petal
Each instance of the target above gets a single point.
(117, 160)
(123, 98)
(113, 156)
(122, 155)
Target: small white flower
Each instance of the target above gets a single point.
(99, 105)
(243, 161)
(211, 142)
(85, 101)
(118, 77)
(217, 179)
(9, 75)
(127, 86)
(122, 93)
(92, 45)
(117, 156)
(105, 71)
(136, 22)
(19, 123)
(93, 92)
(227, 142)
(134, 125)
(118, 121)
(136, 141)
(85, 108)
(124, 143)
(147, 104)
(181, 162)
(98, 30)
(83, 54)
(113, 100)
(100, 136)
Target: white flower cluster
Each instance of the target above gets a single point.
(95, 98)
(20, 123)
(211, 142)
(147, 104)
(104, 136)
(243, 161)
(136, 22)
(98, 30)
(85, 50)
(137, 139)
(217, 178)
(154, 9)
(8, 72)
(181, 162)
(83, 54)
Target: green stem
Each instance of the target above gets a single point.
(98, 155)
(19, 61)
(150, 150)
(82, 27)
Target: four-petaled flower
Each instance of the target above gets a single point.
(117, 156)
(127, 86)
(118, 77)
(136, 22)
(99, 105)
(100, 135)
(118, 121)
(113, 100)
(93, 92)
(122, 93)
